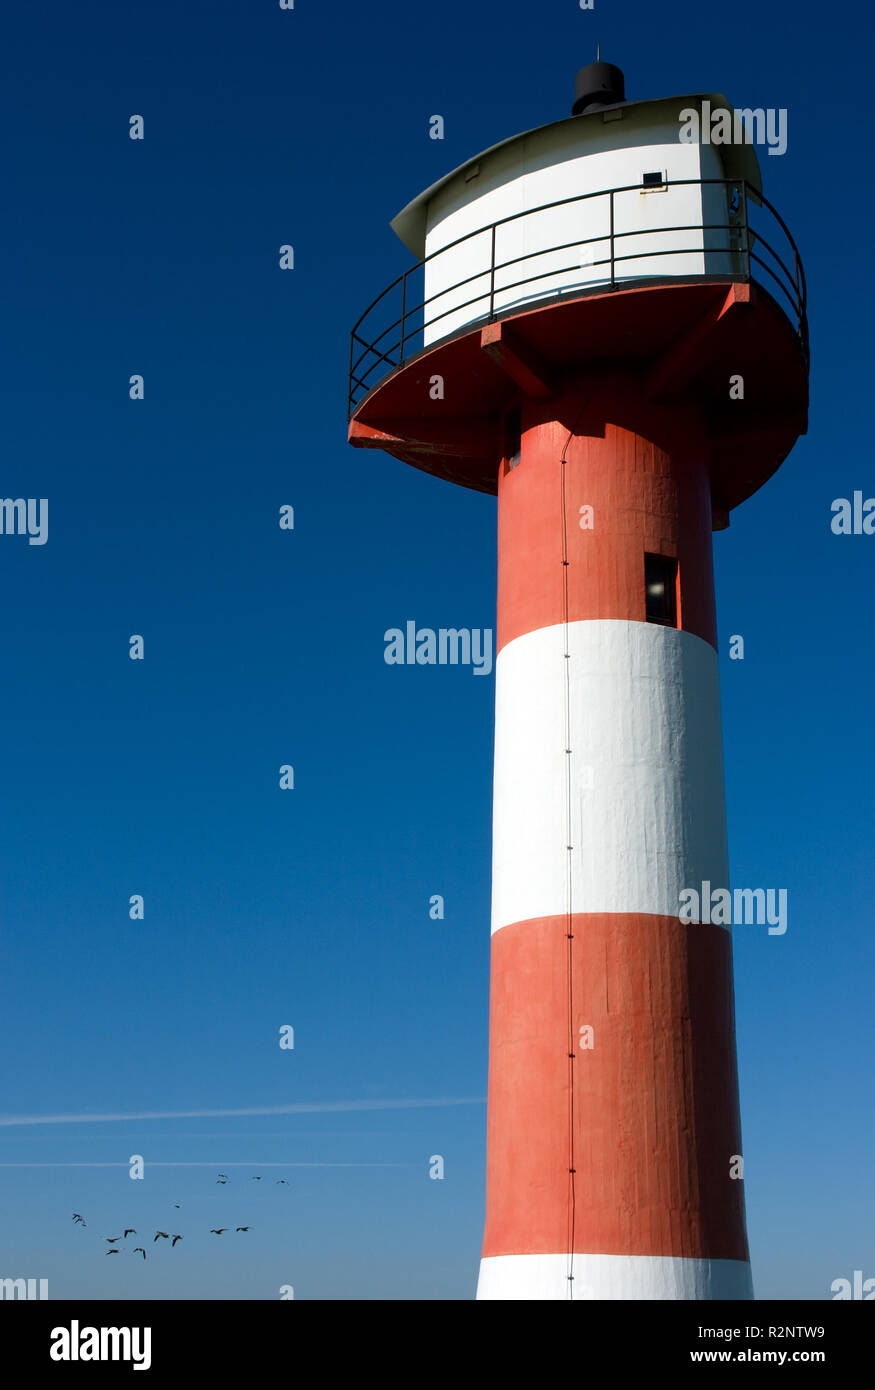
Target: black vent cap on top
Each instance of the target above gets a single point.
(598, 84)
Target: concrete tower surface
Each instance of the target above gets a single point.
(606, 328)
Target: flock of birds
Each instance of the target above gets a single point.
(114, 1241)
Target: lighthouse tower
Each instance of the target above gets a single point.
(605, 328)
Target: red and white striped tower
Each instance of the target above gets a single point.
(589, 292)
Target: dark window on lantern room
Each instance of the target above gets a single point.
(660, 590)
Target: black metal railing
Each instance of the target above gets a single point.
(403, 319)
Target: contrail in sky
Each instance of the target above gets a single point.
(305, 1108)
(213, 1163)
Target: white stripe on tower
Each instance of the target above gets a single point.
(647, 771)
(612, 1277)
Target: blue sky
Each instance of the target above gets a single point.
(160, 777)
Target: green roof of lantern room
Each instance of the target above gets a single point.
(739, 161)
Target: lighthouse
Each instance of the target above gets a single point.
(605, 327)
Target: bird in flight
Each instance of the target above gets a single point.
(214, 1231)
(77, 1217)
(130, 1232)
(161, 1235)
(223, 1182)
(138, 1250)
(256, 1178)
(244, 1228)
(111, 1240)
(111, 1252)
(177, 1205)
(284, 1180)
(174, 1240)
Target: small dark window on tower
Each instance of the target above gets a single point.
(654, 179)
(512, 437)
(660, 589)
